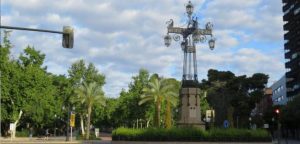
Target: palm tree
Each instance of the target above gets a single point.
(171, 100)
(89, 95)
(157, 91)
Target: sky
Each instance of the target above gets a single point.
(122, 36)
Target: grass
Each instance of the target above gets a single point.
(190, 134)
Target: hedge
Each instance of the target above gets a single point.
(191, 134)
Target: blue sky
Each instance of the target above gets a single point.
(120, 37)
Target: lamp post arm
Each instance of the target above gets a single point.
(31, 29)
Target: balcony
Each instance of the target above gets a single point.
(287, 16)
(287, 36)
(292, 64)
(286, 6)
(286, 26)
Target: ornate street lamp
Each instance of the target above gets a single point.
(190, 92)
(190, 35)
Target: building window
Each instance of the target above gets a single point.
(296, 86)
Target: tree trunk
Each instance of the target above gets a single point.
(88, 123)
(230, 117)
(148, 121)
(82, 125)
(168, 122)
(15, 123)
(157, 113)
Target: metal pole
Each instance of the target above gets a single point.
(0, 105)
(195, 64)
(71, 133)
(68, 124)
(31, 29)
(237, 121)
(279, 131)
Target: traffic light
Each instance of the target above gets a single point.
(68, 37)
(277, 111)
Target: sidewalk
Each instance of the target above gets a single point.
(288, 141)
(35, 140)
(105, 139)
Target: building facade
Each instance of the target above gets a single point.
(291, 18)
(279, 94)
(264, 104)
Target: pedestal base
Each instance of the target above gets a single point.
(200, 125)
(190, 113)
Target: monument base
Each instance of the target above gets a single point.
(200, 125)
(190, 113)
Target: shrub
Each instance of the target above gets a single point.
(190, 134)
(23, 133)
(92, 137)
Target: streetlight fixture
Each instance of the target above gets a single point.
(168, 40)
(190, 92)
(211, 43)
(189, 8)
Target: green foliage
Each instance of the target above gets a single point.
(158, 91)
(91, 137)
(290, 114)
(190, 134)
(126, 109)
(233, 96)
(23, 133)
(90, 94)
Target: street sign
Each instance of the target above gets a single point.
(226, 123)
(97, 132)
(72, 120)
(266, 126)
(12, 126)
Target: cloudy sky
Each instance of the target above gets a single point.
(122, 36)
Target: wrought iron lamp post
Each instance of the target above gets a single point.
(189, 36)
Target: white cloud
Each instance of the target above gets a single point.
(121, 37)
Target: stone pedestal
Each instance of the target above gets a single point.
(189, 112)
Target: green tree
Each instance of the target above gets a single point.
(157, 91)
(290, 114)
(127, 110)
(80, 73)
(36, 90)
(171, 100)
(90, 94)
(233, 97)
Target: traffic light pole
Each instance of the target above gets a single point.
(68, 34)
(31, 29)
